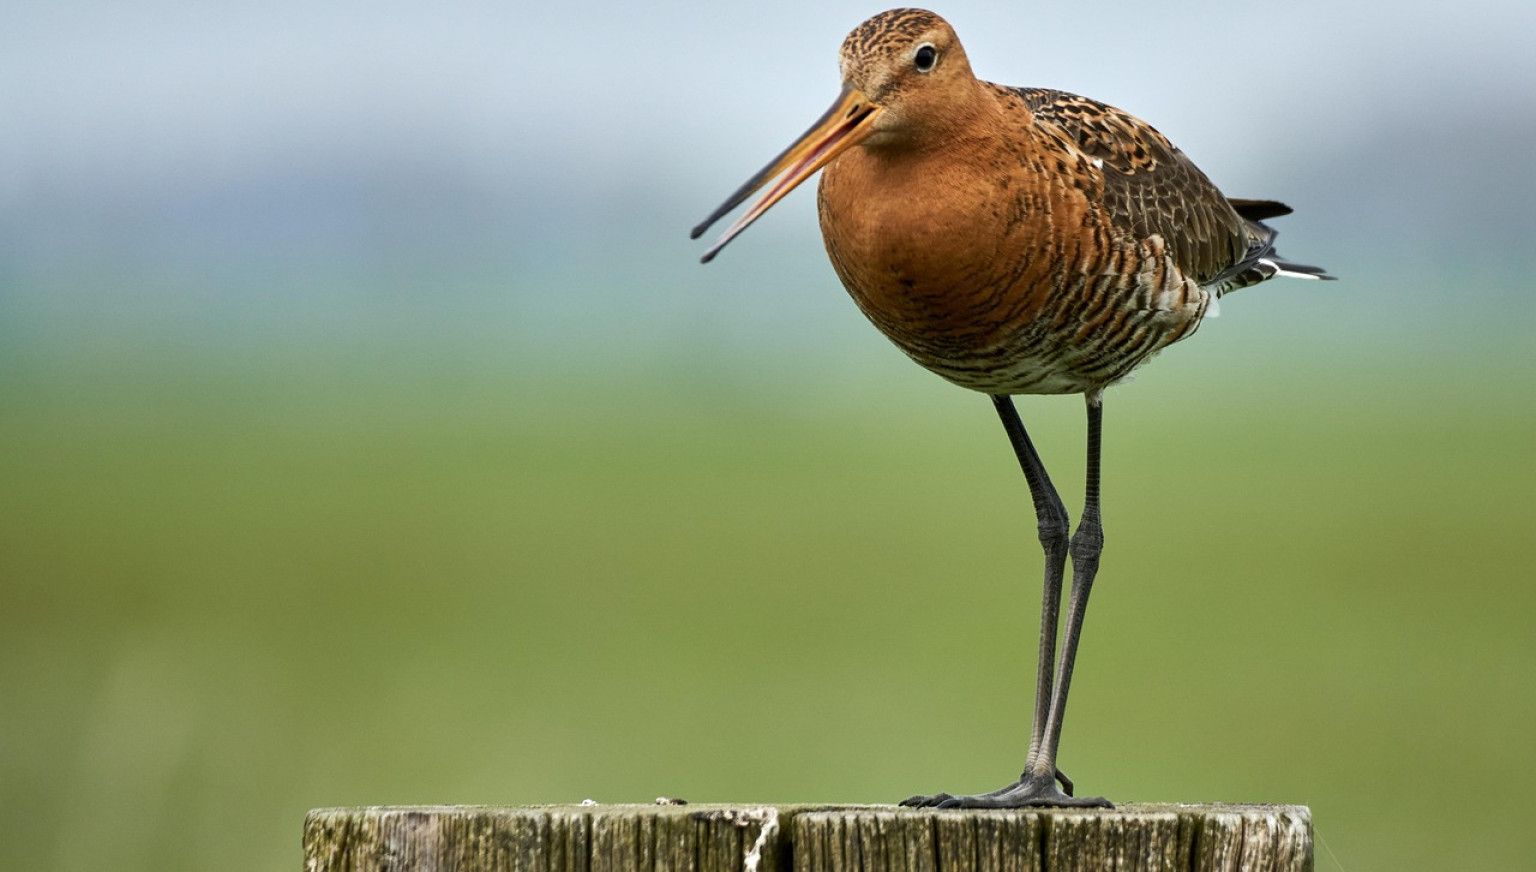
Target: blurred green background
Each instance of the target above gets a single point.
(369, 434)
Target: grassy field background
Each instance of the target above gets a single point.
(240, 582)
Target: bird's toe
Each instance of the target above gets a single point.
(925, 801)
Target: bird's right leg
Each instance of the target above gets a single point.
(1054, 528)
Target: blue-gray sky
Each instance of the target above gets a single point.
(550, 157)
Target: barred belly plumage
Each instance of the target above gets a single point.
(1094, 331)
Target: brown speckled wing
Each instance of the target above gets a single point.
(1150, 187)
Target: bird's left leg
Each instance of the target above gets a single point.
(1051, 516)
(1087, 544)
(1036, 786)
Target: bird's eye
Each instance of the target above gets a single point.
(925, 58)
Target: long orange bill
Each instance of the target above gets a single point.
(843, 126)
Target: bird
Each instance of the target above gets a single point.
(1015, 241)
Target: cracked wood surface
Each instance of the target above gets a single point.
(807, 838)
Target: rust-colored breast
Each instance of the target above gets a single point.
(956, 253)
(998, 262)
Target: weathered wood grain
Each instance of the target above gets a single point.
(1176, 838)
(804, 838)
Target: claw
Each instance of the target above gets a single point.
(1066, 783)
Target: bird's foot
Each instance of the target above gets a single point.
(1029, 790)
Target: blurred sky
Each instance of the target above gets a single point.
(520, 176)
(241, 242)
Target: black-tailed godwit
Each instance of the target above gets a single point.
(1015, 241)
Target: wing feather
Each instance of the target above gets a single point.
(1150, 186)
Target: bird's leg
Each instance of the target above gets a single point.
(1053, 524)
(1051, 517)
(1087, 543)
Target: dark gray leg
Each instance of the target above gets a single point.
(1036, 785)
(1053, 524)
(1087, 543)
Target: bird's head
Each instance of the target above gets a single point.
(904, 76)
(910, 65)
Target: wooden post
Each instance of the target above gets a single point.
(806, 838)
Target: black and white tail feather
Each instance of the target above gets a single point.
(1262, 262)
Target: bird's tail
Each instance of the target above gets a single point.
(1263, 262)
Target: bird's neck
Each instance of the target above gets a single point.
(958, 116)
